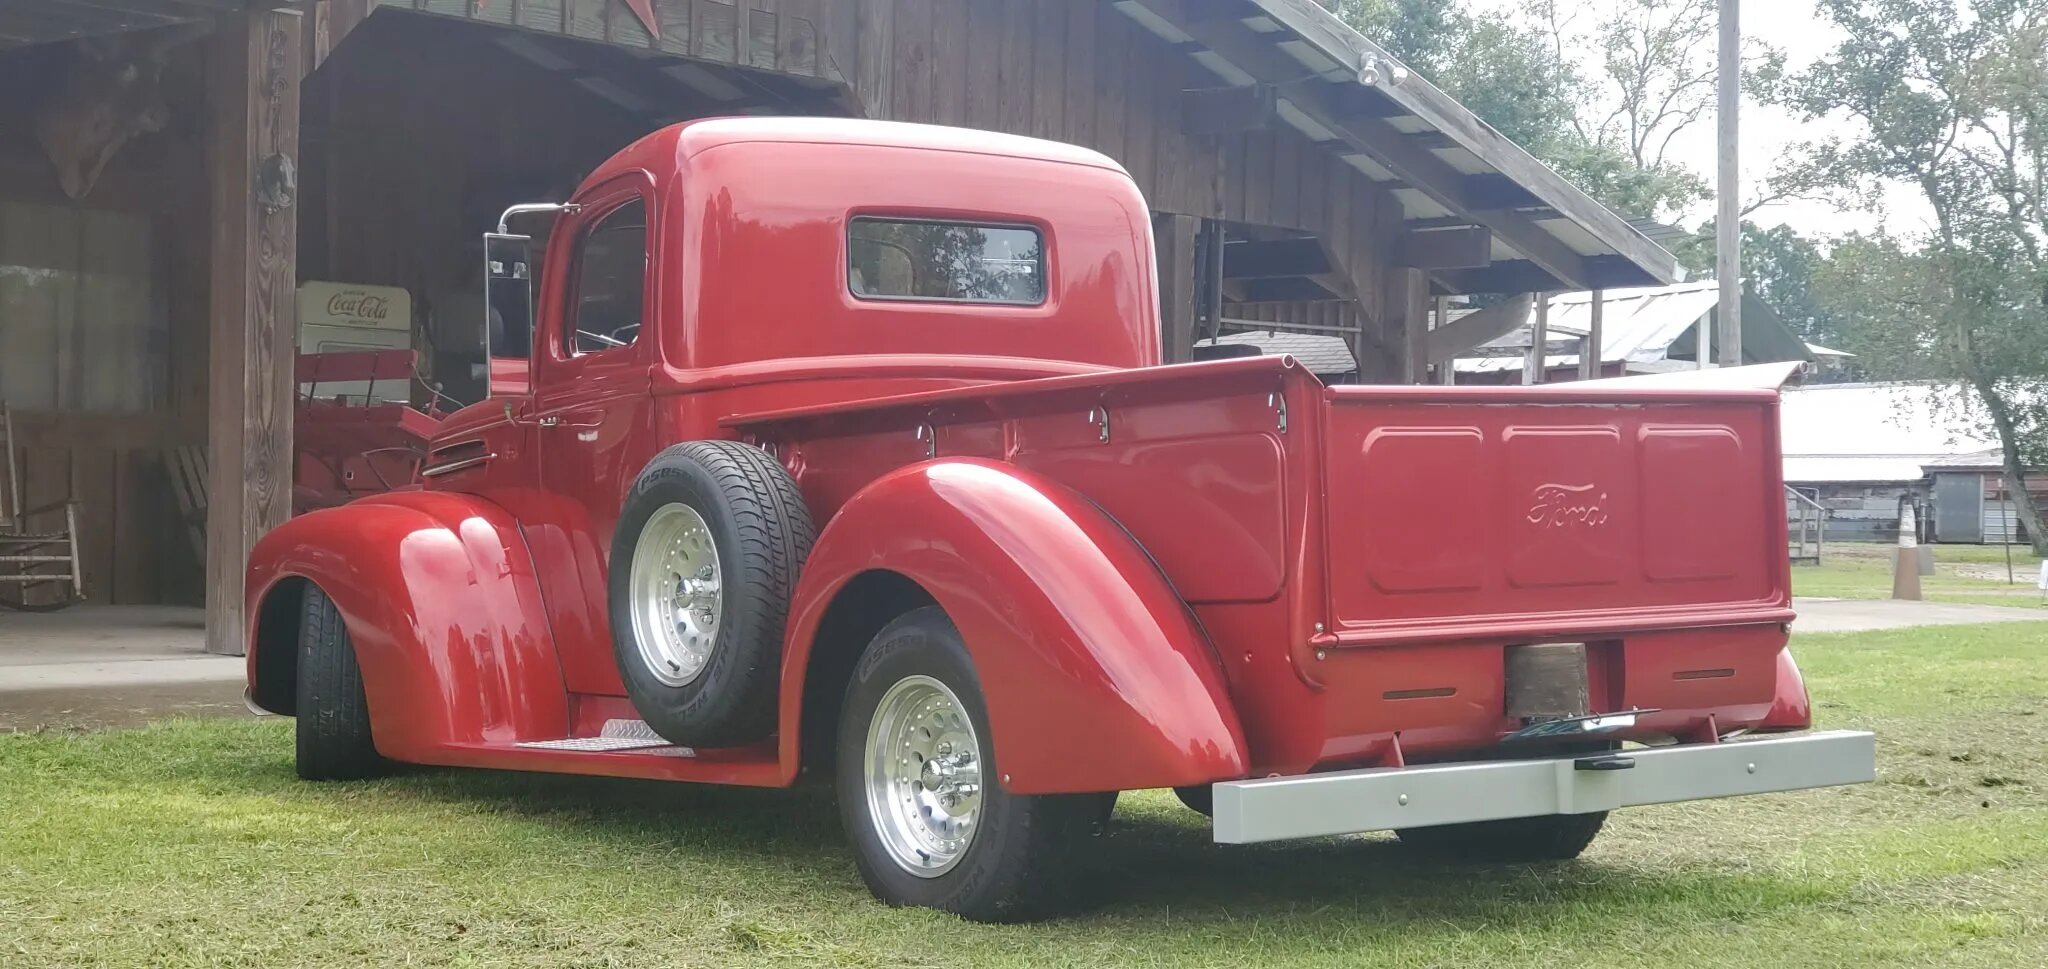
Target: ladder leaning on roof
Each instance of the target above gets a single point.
(32, 553)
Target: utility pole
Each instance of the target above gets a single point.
(1728, 191)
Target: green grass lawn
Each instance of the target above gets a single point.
(1962, 573)
(191, 844)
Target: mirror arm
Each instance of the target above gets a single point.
(532, 208)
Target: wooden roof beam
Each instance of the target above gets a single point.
(1395, 150)
(1282, 257)
(1522, 276)
(1454, 190)
(1336, 39)
(1466, 248)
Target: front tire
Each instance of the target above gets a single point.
(333, 728)
(1550, 837)
(924, 808)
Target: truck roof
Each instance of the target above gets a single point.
(693, 137)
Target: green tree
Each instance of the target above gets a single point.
(1950, 98)
(1778, 267)
(1498, 69)
(1519, 73)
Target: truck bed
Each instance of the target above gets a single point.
(1361, 557)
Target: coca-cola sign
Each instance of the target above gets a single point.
(355, 304)
(359, 305)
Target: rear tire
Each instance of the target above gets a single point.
(333, 729)
(1200, 799)
(915, 693)
(1552, 837)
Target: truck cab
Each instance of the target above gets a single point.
(841, 449)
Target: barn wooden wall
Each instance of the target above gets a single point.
(1071, 70)
(1079, 71)
(774, 35)
(133, 540)
(405, 169)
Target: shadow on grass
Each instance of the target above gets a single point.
(1154, 862)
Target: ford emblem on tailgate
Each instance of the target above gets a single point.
(1567, 506)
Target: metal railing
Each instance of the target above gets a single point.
(1808, 525)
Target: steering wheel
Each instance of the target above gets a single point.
(608, 341)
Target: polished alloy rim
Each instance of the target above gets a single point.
(674, 586)
(923, 776)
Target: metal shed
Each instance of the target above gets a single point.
(1645, 330)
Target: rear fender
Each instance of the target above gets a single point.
(1096, 675)
(439, 597)
(1791, 709)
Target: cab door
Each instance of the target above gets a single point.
(593, 415)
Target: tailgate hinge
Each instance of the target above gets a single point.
(1278, 402)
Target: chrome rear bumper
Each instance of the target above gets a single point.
(1378, 799)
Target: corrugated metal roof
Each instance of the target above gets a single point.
(1836, 470)
(1987, 460)
(1640, 325)
(1322, 355)
(1869, 432)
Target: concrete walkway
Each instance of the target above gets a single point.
(1860, 615)
(103, 666)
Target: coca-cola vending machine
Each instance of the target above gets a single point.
(353, 318)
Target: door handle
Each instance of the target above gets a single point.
(549, 421)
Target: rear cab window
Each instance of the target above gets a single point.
(945, 261)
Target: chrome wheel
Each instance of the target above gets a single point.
(674, 586)
(923, 776)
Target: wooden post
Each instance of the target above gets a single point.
(1446, 369)
(1407, 309)
(253, 143)
(1590, 364)
(1539, 335)
(1174, 246)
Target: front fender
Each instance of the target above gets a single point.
(1096, 675)
(439, 597)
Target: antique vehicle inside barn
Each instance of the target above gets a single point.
(842, 450)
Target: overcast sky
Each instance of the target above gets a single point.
(1768, 132)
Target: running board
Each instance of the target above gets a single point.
(618, 736)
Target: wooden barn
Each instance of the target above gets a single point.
(177, 176)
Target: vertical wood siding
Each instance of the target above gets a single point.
(1071, 70)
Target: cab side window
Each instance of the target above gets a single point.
(611, 282)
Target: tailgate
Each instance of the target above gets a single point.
(1549, 512)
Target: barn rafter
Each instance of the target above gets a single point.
(1292, 62)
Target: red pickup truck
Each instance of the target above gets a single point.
(840, 448)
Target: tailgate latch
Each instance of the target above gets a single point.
(1604, 762)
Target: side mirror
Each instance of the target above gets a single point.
(508, 299)
(508, 296)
